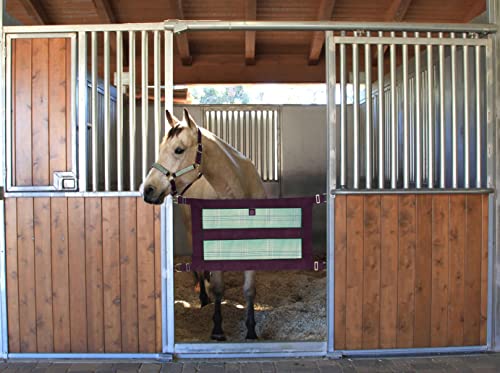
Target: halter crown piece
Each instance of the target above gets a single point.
(173, 175)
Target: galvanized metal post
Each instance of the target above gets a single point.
(418, 117)
(95, 153)
(381, 110)
(394, 113)
(430, 120)
(82, 111)
(343, 117)
(493, 176)
(119, 109)
(3, 279)
(331, 130)
(167, 224)
(368, 110)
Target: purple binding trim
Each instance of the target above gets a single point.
(251, 233)
(199, 234)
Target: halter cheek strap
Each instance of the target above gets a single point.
(173, 175)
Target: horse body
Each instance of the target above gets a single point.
(229, 174)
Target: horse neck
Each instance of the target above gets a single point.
(220, 166)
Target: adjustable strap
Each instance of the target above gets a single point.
(189, 185)
(160, 168)
(199, 151)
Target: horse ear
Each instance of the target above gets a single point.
(189, 119)
(171, 119)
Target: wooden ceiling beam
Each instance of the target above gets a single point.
(36, 11)
(318, 40)
(250, 15)
(104, 11)
(396, 13)
(181, 39)
(477, 8)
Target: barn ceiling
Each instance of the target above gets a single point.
(245, 57)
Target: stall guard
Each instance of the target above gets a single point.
(43, 318)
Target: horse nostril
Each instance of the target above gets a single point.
(149, 190)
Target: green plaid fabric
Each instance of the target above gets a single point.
(260, 249)
(241, 218)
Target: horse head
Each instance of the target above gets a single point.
(178, 161)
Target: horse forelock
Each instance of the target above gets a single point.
(175, 131)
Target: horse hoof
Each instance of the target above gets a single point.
(218, 337)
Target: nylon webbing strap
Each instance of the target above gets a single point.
(160, 168)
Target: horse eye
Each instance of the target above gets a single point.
(179, 151)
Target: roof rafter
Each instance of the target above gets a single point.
(104, 11)
(397, 10)
(36, 11)
(324, 14)
(396, 13)
(476, 9)
(250, 15)
(181, 39)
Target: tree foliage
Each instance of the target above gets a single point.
(223, 95)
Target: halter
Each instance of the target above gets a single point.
(173, 175)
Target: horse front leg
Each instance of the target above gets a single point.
(217, 287)
(249, 291)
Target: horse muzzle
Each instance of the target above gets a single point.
(153, 196)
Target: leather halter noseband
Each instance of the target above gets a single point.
(173, 175)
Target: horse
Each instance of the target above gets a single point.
(189, 153)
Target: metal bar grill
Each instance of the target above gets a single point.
(253, 130)
(420, 129)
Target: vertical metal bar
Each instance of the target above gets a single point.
(8, 112)
(270, 146)
(157, 92)
(442, 124)
(343, 117)
(454, 133)
(492, 90)
(169, 71)
(119, 109)
(167, 221)
(248, 134)
(430, 111)
(277, 143)
(394, 137)
(144, 103)
(478, 117)
(418, 120)
(466, 116)
(406, 127)
(331, 129)
(167, 283)
(82, 111)
(93, 63)
(381, 111)
(107, 114)
(368, 100)
(4, 340)
(132, 103)
(73, 112)
(355, 117)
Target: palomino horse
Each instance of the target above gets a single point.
(186, 153)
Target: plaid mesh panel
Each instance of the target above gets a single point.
(242, 218)
(261, 249)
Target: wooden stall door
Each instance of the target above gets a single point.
(410, 271)
(83, 275)
(41, 110)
